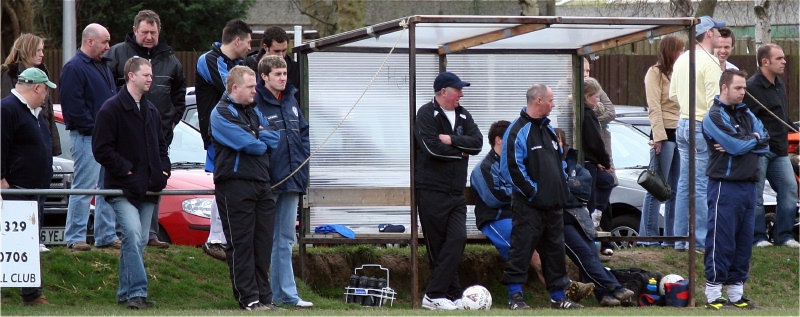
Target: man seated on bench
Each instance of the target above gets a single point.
(493, 208)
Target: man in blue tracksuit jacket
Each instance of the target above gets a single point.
(275, 100)
(241, 138)
(739, 139)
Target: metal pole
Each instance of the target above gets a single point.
(412, 107)
(692, 164)
(298, 38)
(68, 32)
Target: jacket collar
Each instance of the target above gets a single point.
(763, 81)
(217, 47)
(738, 106)
(264, 94)
(130, 105)
(80, 54)
(540, 121)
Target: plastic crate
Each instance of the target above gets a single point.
(380, 296)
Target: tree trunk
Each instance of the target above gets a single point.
(681, 8)
(763, 29)
(547, 7)
(706, 7)
(529, 7)
(17, 19)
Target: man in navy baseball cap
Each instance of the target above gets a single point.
(448, 79)
(706, 24)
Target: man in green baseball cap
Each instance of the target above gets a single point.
(34, 75)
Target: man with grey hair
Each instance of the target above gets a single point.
(168, 93)
(531, 162)
(446, 136)
(86, 83)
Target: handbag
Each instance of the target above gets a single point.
(651, 180)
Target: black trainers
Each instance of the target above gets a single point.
(139, 303)
(577, 291)
(718, 304)
(564, 303)
(517, 303)
(743, 303)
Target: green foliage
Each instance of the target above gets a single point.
(187, 25)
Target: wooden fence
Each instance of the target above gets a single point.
(620, 71)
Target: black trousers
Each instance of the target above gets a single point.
(542, 230)
(444, 222)
(247, 212)
(31, 293)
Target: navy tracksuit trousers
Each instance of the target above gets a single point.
(729, 241)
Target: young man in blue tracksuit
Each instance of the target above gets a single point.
(276, 101)
(738, 138)
(242, 138)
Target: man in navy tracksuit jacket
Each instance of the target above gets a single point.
(241, 138)
(740, 139)
(446, 135)
(531, 161)
(276, 102)
(128, 142)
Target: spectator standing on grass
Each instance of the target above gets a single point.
(27, 52)
(707, 72)
(446, 135)
(531, 162)
(128, 142)
(86, 83)
(243, 140)
(663, 114)
(739, 139)
(168, 91)
(767, 87)
(275, 101)
(26, 146)
(212, 71)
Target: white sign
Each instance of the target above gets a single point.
(19, 247)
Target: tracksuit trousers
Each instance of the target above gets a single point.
(443, 217)
(540, 229)
(583, 252)
(247, 211)
(729, 240)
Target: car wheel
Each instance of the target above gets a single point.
(769, 218)
(162, 235)
(624, 226)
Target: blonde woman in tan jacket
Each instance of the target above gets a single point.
(663, 114)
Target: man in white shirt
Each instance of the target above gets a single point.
(726, 41)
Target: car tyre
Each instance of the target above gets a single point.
(624, 226)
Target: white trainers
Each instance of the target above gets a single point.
(792, 244)
(763, 244)
(597, 215)
(303, 303)
(437, 303)
(43, 249)
(458, 303)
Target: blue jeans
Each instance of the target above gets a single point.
(670, 165)
(135, 223)
(87, 175)
(700, 183)
(778, 170)
(284, 288)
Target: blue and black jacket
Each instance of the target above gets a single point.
(531, 161)
(294, 146)
(241, 138)
(85, 84)
(494, 193)
(212, 70)
(733, 128)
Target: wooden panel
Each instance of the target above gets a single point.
(463, 44)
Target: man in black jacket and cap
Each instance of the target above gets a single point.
(168, 92)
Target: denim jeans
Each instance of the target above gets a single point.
(778, 170)
(87, 175)
(700, 183)
(670, 164)
(135, 223)
(284, 288)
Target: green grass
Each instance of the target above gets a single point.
(186, 282)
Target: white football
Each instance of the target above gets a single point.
(476, 297)
(670, 278)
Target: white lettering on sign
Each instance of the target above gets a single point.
(19, 250)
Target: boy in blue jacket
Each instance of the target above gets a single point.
(738, 138)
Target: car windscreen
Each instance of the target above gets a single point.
(629, 146)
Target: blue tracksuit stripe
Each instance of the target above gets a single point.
(720, 128)
(202, 68)
(233, 136)
(514, 170)
(222, 68)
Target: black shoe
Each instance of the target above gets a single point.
(139, 303)
(564, 303)
(743, 303)
(718, 304)
(516, 302)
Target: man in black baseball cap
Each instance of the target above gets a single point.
(446, 136)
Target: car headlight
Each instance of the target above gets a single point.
(200, 207)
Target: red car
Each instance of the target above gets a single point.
(182, 219)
